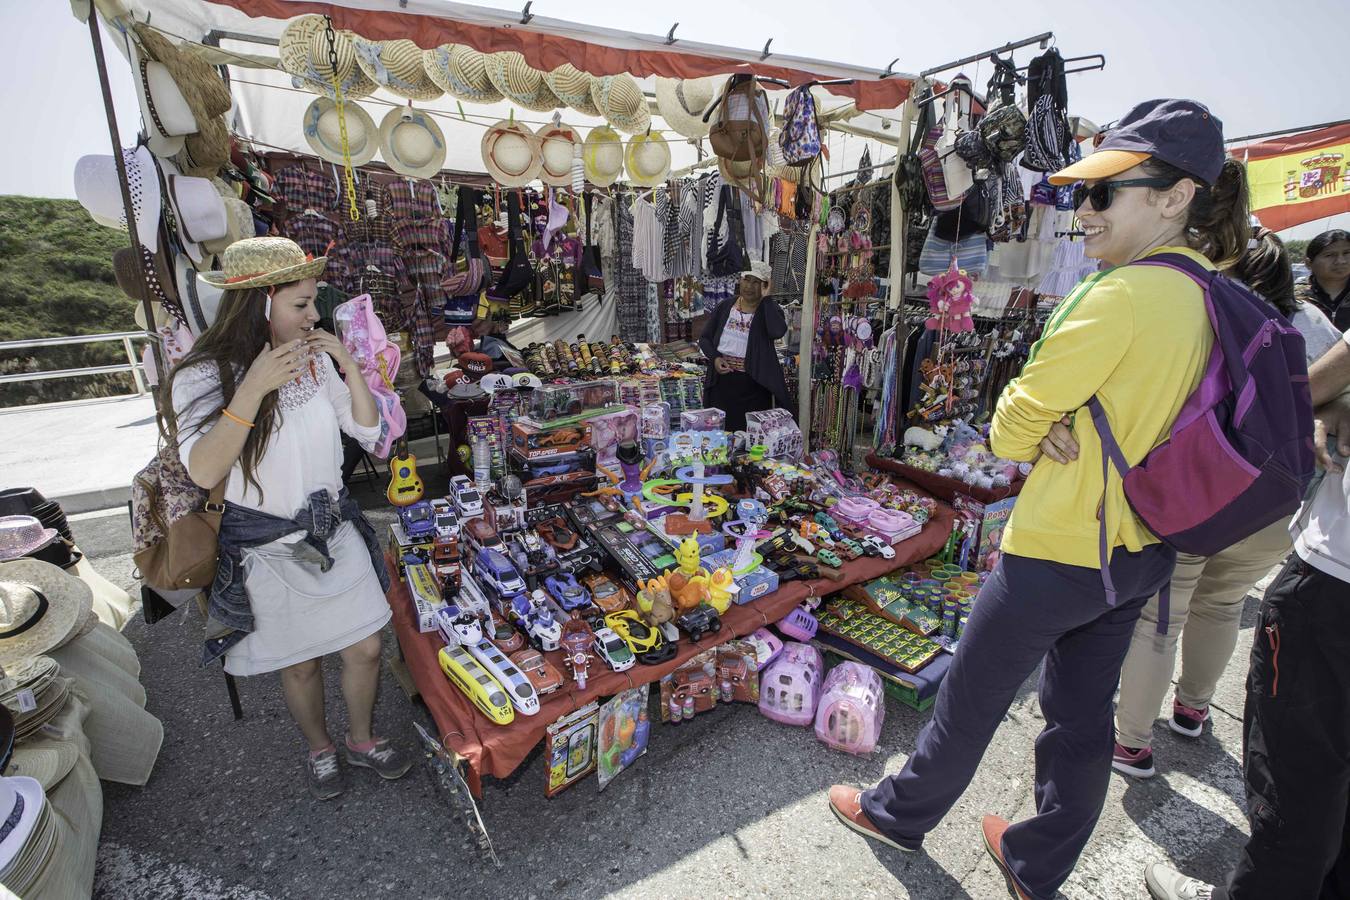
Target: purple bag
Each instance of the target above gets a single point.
(1240, 454)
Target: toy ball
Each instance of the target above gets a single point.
(465, 454)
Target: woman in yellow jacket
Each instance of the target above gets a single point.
(1138, 339)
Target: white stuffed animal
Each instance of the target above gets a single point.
(922, 437)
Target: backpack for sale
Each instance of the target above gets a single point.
(740, 132)
(1240, 453)
(800, 137)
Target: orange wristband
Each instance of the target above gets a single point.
(232, 417)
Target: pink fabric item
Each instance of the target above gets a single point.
(364, 335)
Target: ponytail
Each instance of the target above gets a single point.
(1218, 224)
(1264, 267)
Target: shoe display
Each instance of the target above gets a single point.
(1135, 763)
(1186, 720)
(323, 775)
(387, 761)
(1166, 883)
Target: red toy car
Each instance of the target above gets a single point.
(542, 674)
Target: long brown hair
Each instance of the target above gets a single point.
(1218, 222)
(229, 346)
(1265, 268)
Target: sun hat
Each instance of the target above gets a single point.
(573, 87)
(737, 174)
(1182, 133)
(161, 288)
(164, 110)
(397, 67)
(99, 192)
(647, 159)
(303, 52)
(603, 156)
(460, 71)
(518, 82)
(22, 535)
(558, 146)
(239, 222)
(323, 131)
(620, 100)
(40, 606)
(512, 154)
(199, 81)
(199, 299)
(207, 151)
(759, 269)
(199, 212)
(683, 101)
(264, 262)
(46, 762)
(23, 800)
(411, 142)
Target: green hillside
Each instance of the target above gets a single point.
(56, 279)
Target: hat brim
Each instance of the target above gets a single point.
(389, 151)
(488, 148)
(687, 123)
(597, 139)
(550, 132)
(359, 155)
(1102, 164)
(311, 269)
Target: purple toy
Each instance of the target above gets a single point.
(798, 624)
(790, 687)
(852, 708)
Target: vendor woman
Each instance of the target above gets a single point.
(744, 374)
(258, 405)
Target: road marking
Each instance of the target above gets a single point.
(124, 872)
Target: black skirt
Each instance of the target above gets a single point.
(736, 394)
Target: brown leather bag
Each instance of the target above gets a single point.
(174, 525)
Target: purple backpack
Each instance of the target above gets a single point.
(1240, 453)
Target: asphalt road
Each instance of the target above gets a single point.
(729, 805)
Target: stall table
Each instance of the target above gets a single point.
(497, 750)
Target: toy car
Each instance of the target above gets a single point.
(827, 521)
(540, 671)
(444, 520)
(875, 546)
(607, 594)
(528, 552)
(700, 621)
(507, 639)
(496, 572)
(646, 642)
(559, 535)
(612, 649)
(458, 627)
(538, 623)
(564, 588)
(829, 558)
(417, 520)
(848, 548)
(465, 496)
(482, 535)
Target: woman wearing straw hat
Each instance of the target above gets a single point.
(258, 405)
(744, 374)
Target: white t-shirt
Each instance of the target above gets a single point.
(735, 334)
(1319, 335)
(1321, 530)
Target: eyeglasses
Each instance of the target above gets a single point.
(1102, 193)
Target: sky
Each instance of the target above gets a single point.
(1257, 65)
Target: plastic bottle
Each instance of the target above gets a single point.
(688, 706)
(728, 693)
(676, 710)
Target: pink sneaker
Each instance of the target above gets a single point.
(1135, 763)
(1187, 721)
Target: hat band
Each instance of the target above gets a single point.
(33, 619)
(150, 99)
(15, 816)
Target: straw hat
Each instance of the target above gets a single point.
(603, 156)
(264, 262)
(206, 93)
(22, 535)
(461, 72)
(206, 152)
(519, 83)
(397, 67)
(573, 87)
(683, 101)
(737, 174)
(512, 154)
(647, 159)
(14, 793)
(323, 131)
(411, 142)
(620, 100)
(303, 51)
(46, 762)
(164, 109)
(99, 192)
(558, 145)
(41, 605)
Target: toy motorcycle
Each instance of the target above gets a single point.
(574, 645)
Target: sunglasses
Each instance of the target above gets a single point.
(1102, 193)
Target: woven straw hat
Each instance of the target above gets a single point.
(41, 605)
(206, 152)
(264, 262)
(573, 87)
(303, 51)
(411, 142)
(738, 174)
(323, 131)
(512, 154)
(620, 100)
(46, 762)
(647, 159)
(683, 101)
(461, 72)
(397, 67)
(603, 156)
(522, 85)
(558, 146)
(203, 88)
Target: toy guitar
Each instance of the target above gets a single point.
(405, 485)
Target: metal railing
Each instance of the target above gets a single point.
(132, 365)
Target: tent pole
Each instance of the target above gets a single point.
(146, 305)
(805, 338)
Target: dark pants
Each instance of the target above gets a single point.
(1030, 609)
(736, 394)
(1296, 741)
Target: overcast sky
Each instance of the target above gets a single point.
(1260, 66)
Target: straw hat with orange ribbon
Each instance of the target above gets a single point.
(264, 262)
(558, 144)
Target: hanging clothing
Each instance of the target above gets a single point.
(648, 249)
(631, 284)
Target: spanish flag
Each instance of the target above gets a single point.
(1301, 178)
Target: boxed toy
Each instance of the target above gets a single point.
(552, 402)
(569, 748)
(776, 431)
(531, 441)
(624, 730)
(754, 584)
(729, 673)
(708, 419)
(687, 446)
(425, 595)
(981, 550)
(611, 429)
(398, 538)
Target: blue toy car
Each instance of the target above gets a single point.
(495, 570)
(569, 593)
(417, 519)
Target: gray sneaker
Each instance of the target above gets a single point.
(385, 759)
(323, 775)
(1166, 883)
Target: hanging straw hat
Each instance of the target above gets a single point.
(558, 145)
(164, 109)
(683, 101)
(647, 159)
(99, 192)
(737, 174)
(397, 67)
(206, 152)
(303, 51)
(512, 154)
(620, 100)
(461, 72)
(573, 87)
(200, 83)
(41, 605)
(323, 131)
(264, 262)
(411, 142)
(522, 85)
(603, 156)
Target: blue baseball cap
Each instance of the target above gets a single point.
(1182, 133)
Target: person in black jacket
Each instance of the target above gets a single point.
(744, 373)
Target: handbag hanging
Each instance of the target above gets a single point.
(590, 276)
(727, 258)
(470, 281)
(945, 174)
(518, 273)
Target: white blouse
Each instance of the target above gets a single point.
(305, 452)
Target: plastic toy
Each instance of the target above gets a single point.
(458, 627)
(799, 625)
(478, 685)
(646, 642)
(565, 589)
(767, 646)
(700, 621)
(405, 485)
(507, 639)
(789, 689)
(542, 674)
(852, 708)
(689, 582)
(493, 568)
(701, 507)
(875, 546)
(612, 650)
(722, 589)
(576, 644)
(826, 521)
(829, 558)
(530, 554)
(518, 688)
(466, 497)
(607, 594)
(540, 627)
(655, 606)
(417, 520)
(848, 548)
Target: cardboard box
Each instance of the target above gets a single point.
(425, 595)
(398, 538)
(980, 553)
(754, 584)
(531, 441)
(569, 748)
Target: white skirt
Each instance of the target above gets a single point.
(299, 612)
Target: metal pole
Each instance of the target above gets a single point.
(97, 39)
(136, 372)
(1014, 45)
(1270, 134)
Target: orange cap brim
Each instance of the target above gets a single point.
(1102, 164)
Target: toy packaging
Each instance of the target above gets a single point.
(891, 599)
(727, 674)
(686, 446)
(426, 596)
(624, 729)
(611, 429)
(708, 419)
(790, 687)
(776, 431)
(852, 709)
(532, 441)
(569, 748)
(893, 643)
(754, 584)
(552, 402)
(992, 519)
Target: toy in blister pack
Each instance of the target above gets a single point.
(708, 419)
(686, 447)
(852, 708)
(624, 730)
(569, 752)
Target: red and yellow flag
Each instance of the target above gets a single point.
(1300, 178)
